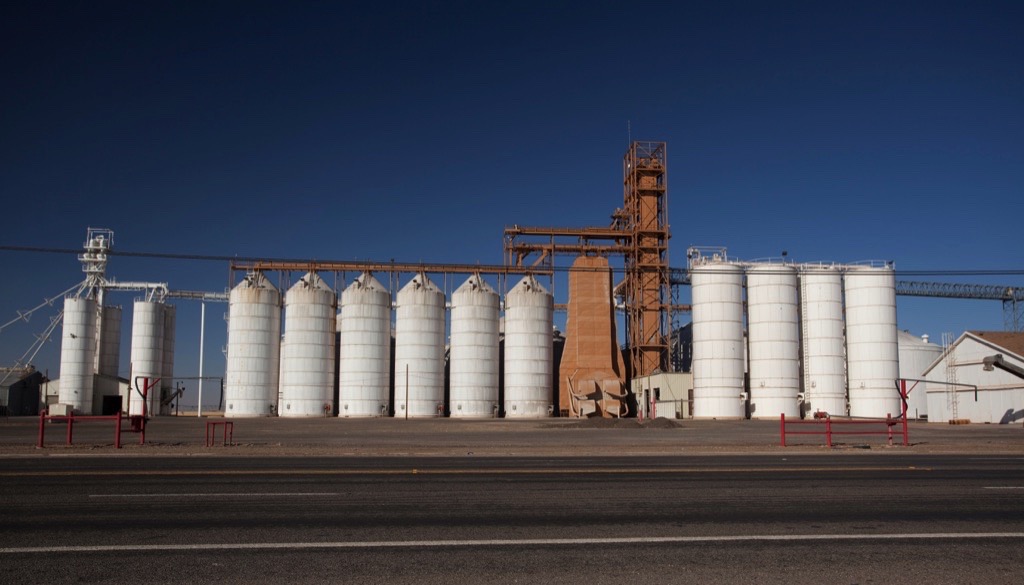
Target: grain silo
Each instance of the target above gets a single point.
(364, 353)
(773, 337)
(529, 310)
(916, 354)
(473, 379)
(419, 349)
(872, 355)
(718, 352)
(307, 350)
(254, 344)
(78, 354)
(148, 319)
(108, 350)
(824, 354)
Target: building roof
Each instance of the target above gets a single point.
(1013, 342)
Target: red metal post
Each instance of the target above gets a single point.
(117, 430)
(888, 427)
(828, 431)
(71, 423)
(906, 430)
(782, 422)
(42, 429)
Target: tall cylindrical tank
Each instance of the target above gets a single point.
(718, 352)
(773, 337)
(108, 351)
(78, 354)
(167, 379)
(916, 354)
(147, 357)
(529, 310)
(364, 354)
(473, 362)
(419, 349)
(254, 346)
(307, 351)
(872, 355)
(821, 303)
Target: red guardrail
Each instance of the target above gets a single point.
(211, 432)
(71, 419)
(828, 423)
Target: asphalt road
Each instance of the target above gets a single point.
(705, 519)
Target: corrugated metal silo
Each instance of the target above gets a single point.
(916, 354)
(419, 349)
(718, 353)
(529, 310)
(821, 300)
(108, 352)
(147, 356)
(364, 355)
(473, 365)
(167, 377)
(872, 355)
(254, 346)
(307, 352)
(78, 354)
(773, 335)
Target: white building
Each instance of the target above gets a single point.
(1000, 394)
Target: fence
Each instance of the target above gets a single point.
(828, 423)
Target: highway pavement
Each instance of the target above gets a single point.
(764, 518)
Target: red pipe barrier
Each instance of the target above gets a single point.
(70, 421)
(211, 432)
(829, 432)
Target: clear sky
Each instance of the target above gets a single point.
(836, 131)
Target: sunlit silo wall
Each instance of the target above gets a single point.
(307, 351)
(108, 352)
(419, 349)
(364, 362)
(473, 380)
(821, 304)
(167, 379)
(78, 354)
(773, 335)
(718, 353)
(254, 344)
(529, 310)
(916, 354)
(871, 348)
(147, 356)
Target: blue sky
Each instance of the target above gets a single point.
(834, 131)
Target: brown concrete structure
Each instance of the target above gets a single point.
(591, 373)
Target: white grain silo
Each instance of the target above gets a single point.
(419, 349)
(872, 355)
(167, 378)
(147, 357)
(307, 351)
(529, 311)
(773, 337)
(78, 354)
(821, 304)
(254, 346)
(364, 353)
(916, 354)
(473, 362)
(108, 351)
(718, 352)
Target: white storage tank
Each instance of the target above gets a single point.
(529, 311)
(167, 379)
(821, 305)
(254, 348)
(307, 351)
(78, 354)
(419, 350)
(718, 352)
(473, 361)
(872, 355)
(916, 354)
(108, 351)
(364, 354)
(773, 337)
(147, 356)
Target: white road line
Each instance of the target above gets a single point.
(220, 495)
(172, 547)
